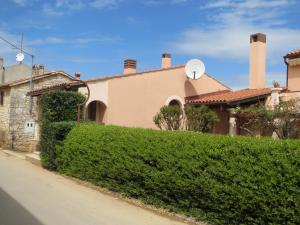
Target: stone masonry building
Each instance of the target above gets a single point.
(20, 113)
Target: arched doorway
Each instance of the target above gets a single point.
(96, 111)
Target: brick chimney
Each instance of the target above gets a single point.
(129, 66)
(77, 75)
(41, 69)
(257, 77)
(166, 60)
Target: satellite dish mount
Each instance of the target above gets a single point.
(194, 69)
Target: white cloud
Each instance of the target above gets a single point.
(227, 35)
(52, 11)
(247, 4)
(178, 1)
(163, 2)
(70, 4)
(77, 41)
(23, 2)
(241, 81)
(104, 3)
(61, 7)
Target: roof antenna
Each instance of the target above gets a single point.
(20, 56)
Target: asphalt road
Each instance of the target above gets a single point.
(9, 208)
(30, 195)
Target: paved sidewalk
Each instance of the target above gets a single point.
(42, 197)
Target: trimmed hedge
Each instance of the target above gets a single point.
(57, 106)
(61, 106)
(219, 179)
(52, 135)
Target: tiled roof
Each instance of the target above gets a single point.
(294, 53)
(226, 96)
(35, 77)
(67, 85)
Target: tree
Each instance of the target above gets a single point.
(169, 118)
(200, 119)
(282, 119)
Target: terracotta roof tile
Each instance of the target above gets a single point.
(66, 85)
(227, 96)
(294, 53)
(36, 77)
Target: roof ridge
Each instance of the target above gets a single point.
(34, 77)
(132, 74)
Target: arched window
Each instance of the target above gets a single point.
(175, 102)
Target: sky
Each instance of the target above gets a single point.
(94, 37)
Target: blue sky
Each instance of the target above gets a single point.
(95, 36)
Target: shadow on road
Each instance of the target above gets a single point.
(12, 213)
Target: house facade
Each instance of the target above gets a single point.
(19, 113)
(133, 98)
(224, 102)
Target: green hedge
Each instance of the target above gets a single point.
(218, 179)
(57, 106)
(52, 135)
(61, 106)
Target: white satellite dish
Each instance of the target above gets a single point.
(194, 69)
(20, 57)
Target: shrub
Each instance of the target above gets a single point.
(52, 135)
(219, 179)
(57, 106)
(200, 119)
(282, 119)
(169, 117)
(60, 106)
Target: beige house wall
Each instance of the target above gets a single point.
(257, 78)
(98, 91)
(134, 100)
(294, 78)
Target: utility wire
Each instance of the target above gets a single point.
(32, 58)
(15, 46)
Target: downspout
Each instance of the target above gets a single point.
(86, 100)
(287, 71)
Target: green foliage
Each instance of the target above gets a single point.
(200, 119)
(220, 179)
(52, 135)
(169, 118)
(60, 106)
(282, 119)
(57, 106)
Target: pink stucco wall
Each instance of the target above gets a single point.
(134, 100)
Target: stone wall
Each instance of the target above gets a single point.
(4, 117)
(18, 136)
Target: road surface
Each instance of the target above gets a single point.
(30, 195)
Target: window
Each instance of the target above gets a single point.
(2, 98)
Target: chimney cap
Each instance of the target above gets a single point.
(129, 63)
(258, 37)
(41, 66)
(77, 74)
(166, 55)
